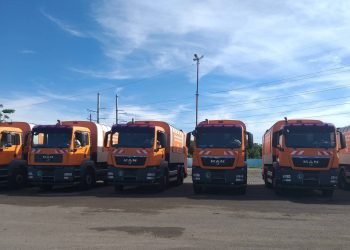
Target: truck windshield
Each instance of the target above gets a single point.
(211, 137)
(51, 138)
(135, 138)
(310, 137)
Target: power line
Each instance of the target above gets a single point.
(283, 80)
(290, 79)
(108, 88)
(258, 100)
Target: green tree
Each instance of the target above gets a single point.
(5, 113)
(255, 152)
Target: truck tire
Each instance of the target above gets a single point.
(17, 178)
(180, 177)
(342, 181)
(118, 188)
(197, 189)
(163, 183)
(87, 180)
(267, 184)
(277, 189)
(327, 193)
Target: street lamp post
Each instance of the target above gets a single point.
(197, 59)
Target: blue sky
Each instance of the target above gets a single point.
(263, 60)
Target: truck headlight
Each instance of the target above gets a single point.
(287, 177)
(151, 176)
(30, 175)
(110, 175)
(196, 176)
(239, 178)
(334, 179)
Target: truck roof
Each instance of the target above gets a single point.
(225, 123)
(344, 129)
(280, 124)
(24, 126)
(51, 126)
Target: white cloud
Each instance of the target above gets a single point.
(239, 38)
(27, 51)
(64, 26)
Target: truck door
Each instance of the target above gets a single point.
(160, 147)
(10, 144)
(81, 147)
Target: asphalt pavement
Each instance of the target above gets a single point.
(142, 218)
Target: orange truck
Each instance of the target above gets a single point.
(68, 153)
(13, 153)
(146, 153)
(343, 137)
(301, 154)
(219, 154)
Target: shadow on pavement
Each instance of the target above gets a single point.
(255, 192)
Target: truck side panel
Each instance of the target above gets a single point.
(267, 152)
(177, 144)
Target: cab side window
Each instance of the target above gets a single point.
(83, 138)
(161, 138)
(10, 139)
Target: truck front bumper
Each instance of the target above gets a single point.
(236, 177)
(290, 178)
(53, 175)
(134, 176)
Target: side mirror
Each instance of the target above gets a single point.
(77, 144)
(188, 140)
(250, 140)
(279, 147)
(158, 146)
(342, 140)
(105, 140)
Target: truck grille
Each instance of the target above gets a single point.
(130, 160)
(311, 162)
(55, 158)
(218, 161)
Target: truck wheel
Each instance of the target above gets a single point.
(277, 189)
(118, 188)
(197, 189)
(45, 187)
(342, 181)
(180, 177)
(327, 193)
(88, 180)
(267, 184)
(163, 183)
(17, 179)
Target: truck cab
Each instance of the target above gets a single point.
(13, 153)
(301, 154)
(65, 154)
(219, 154)
(146, 153)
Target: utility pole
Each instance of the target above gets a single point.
(90, 117)
(116, 109)
(197, 59)
(98, 108)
